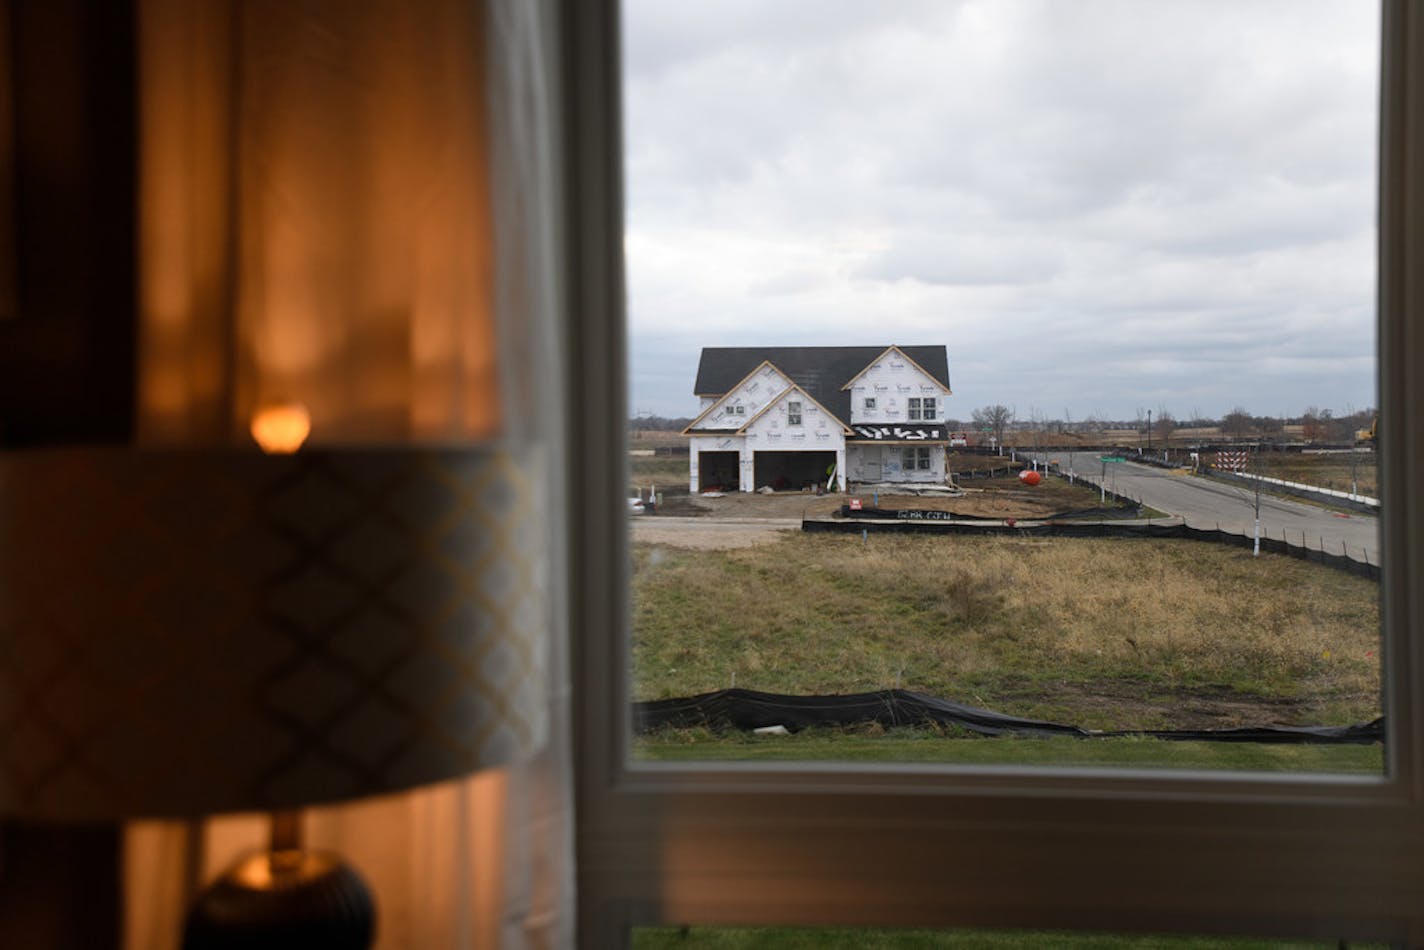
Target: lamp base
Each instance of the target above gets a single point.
(284, 899)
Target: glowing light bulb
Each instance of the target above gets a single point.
(281, 428)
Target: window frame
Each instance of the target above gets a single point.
(912, 409)
(916, 454)
(840, 844)
(793, 412)
(869, 403)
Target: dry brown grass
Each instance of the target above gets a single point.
(668, 472)
(1323, 471)
(1107, 633)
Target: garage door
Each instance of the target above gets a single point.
(792, 471)
(720, 470)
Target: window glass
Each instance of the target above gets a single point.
(1100, 280)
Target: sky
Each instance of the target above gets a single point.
(1099, 207)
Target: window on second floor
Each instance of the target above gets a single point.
(793, 413)
(922, 409)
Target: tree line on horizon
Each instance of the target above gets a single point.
(1316, 424)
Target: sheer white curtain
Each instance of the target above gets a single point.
(350, 205)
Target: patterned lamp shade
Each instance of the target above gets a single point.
(187, 632)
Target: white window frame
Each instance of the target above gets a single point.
(1123, 850)
(914, 456)
(870, 403)
(793, 412)
(912, 408)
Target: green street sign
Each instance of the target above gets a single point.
(1111, 458)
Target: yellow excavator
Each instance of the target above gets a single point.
(1368, 436)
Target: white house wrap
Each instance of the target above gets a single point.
(792, 417)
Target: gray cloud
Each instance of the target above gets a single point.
(1103, 203)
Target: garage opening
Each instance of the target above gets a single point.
(792, 471)
(718, 471)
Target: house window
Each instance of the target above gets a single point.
(917, 458)
(793, 413)
(739, 410)
(869, 402)
(922, 408)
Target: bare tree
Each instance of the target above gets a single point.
(1165, 423)
(1236, 423)
(1038, 425)
(1317, 424)
(995, 418)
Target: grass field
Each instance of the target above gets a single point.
(940, 747)
(667, 472)
(1106, 634)
(1323, 471)
(762, 938)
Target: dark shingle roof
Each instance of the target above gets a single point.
(820, 370)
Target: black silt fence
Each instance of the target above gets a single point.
(749, 709)
(1292, 491)
(1102, 490)
(1006, 471)
(1068, 529)
(916, 514)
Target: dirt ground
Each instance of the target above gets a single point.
(993, 498)
(740, 520)
(704, 534)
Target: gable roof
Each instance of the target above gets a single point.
(882, 356)
(721, 397)
(820, 371)
(793, 388)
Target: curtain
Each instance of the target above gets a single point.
(9, 291)
(349, 205)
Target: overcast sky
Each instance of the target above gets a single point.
(1098, 206)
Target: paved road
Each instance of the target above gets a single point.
(1207, 503)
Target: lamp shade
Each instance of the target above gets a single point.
(185, 632)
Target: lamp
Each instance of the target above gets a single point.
(192, 632)
(190, 625)
(281, 428)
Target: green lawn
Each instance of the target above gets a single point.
(926, 745)
(766, 938)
